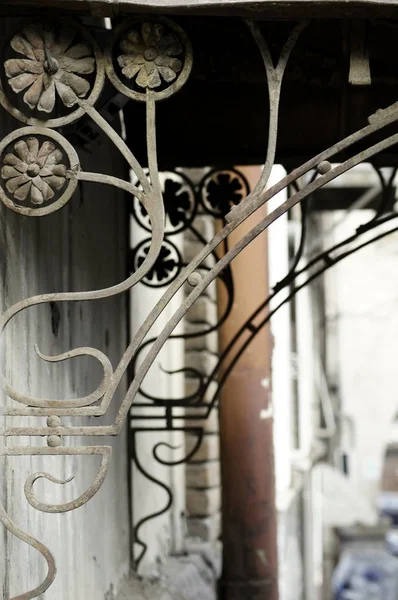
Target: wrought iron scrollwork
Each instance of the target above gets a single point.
(209, 388)
(52, 75)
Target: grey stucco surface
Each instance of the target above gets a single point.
(190, 577)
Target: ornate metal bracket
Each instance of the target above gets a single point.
(53, 75)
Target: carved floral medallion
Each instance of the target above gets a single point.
(38, 169)
(51, 65)
(150, 55)
(34, 171)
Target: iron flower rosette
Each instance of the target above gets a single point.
(154, 56)
(37, 169)
(50, 69)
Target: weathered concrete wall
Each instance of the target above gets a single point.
(363, 311)
(190, 577)
(291, 567)
(81, 247)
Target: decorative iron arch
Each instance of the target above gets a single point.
(53, 75)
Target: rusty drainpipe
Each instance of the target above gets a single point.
(249, 518)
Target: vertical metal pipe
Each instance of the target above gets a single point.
(250, 569)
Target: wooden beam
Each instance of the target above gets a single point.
(285, 9)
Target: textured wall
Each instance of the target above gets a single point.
(363, 313)
(291, 568)
(81, 247)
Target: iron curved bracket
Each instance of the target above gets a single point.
(147, 61)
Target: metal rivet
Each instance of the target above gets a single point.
(324, 167)
(53, 421)
(54, 441)
(194, 278)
